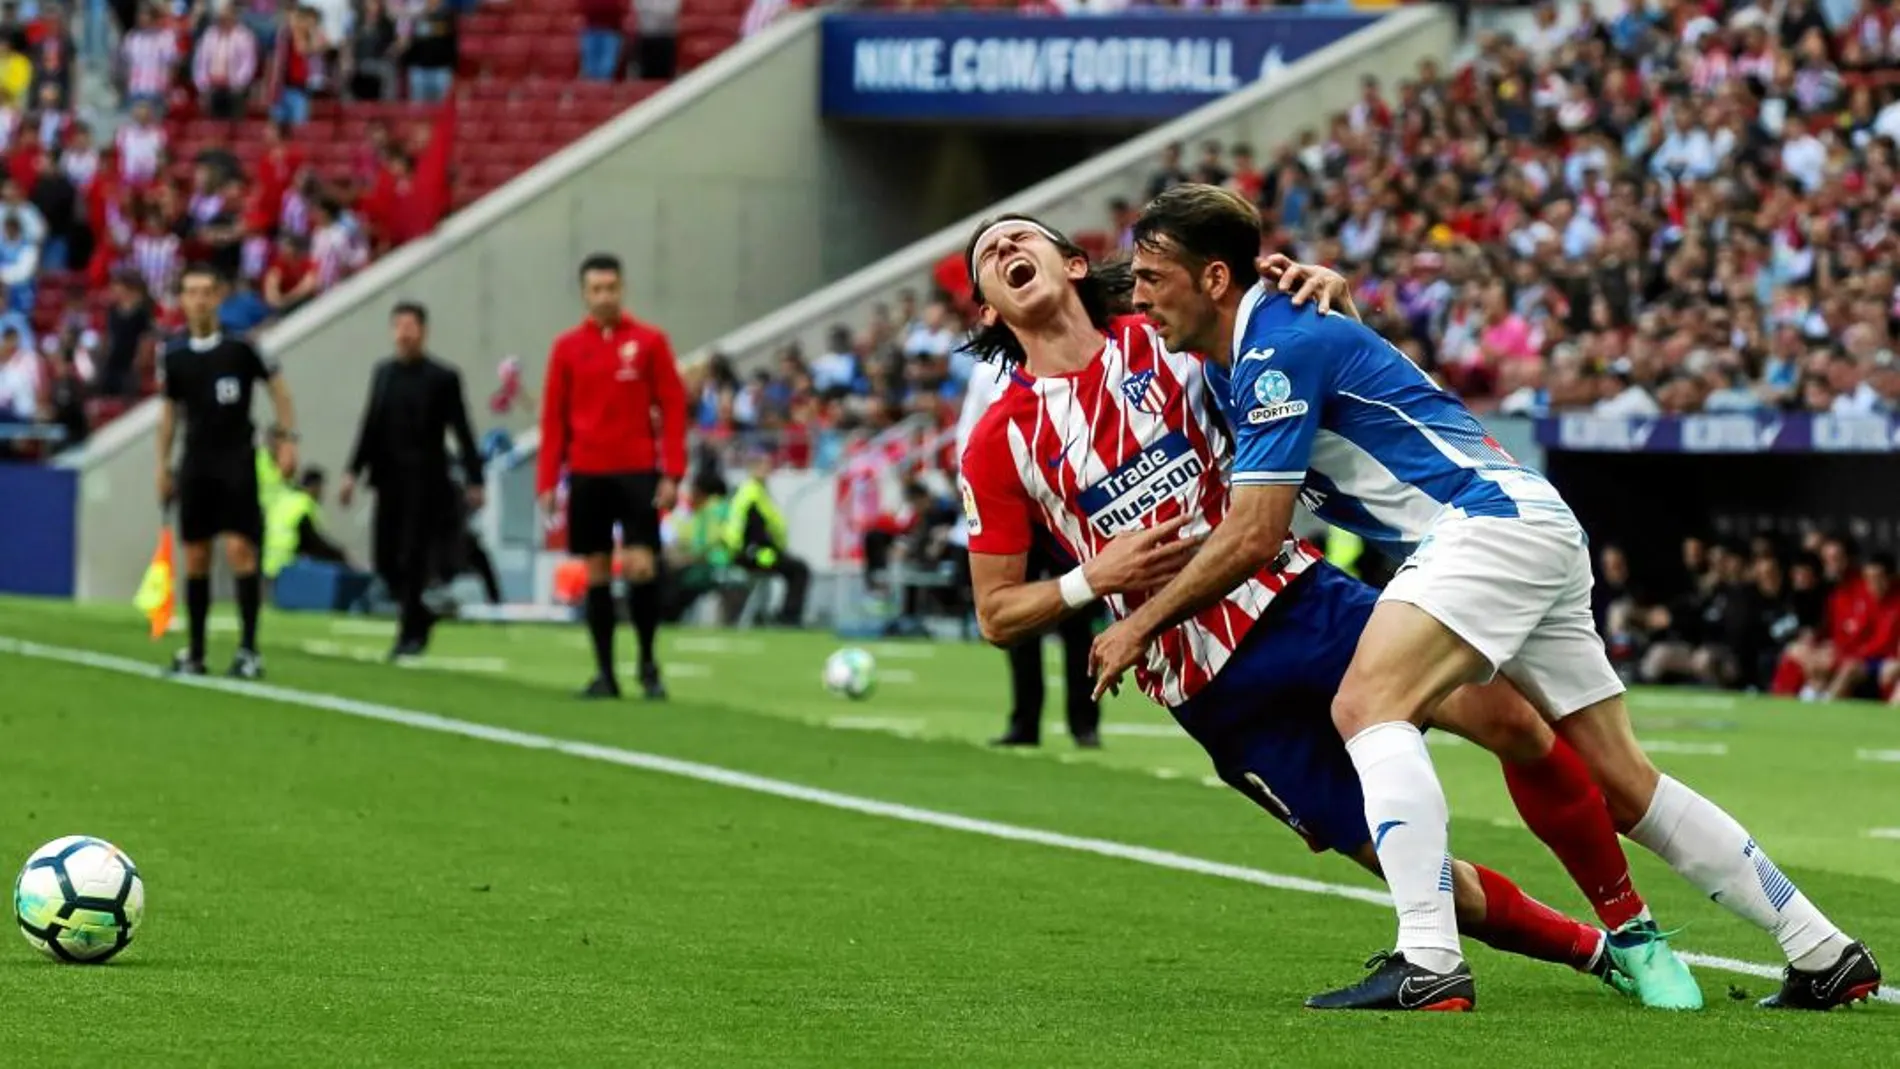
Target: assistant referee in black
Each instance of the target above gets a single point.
(209, 379)
(415, 403)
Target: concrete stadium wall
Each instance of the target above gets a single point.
(716, 193)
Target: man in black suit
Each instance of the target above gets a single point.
(415, 402)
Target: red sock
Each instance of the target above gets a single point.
(1516, 923)
(1789, 677)
(1563, 807)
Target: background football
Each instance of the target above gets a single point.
(851, 672)
(79, 899)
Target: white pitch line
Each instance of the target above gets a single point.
(1883, 833)
(746, 781)
(214, 625)
(1146, 731)
(901, 651)
(668, 669)
(1888, 756)
(1702, 749)
(369, 628)
(899, 725)
(714, 644)
(1682, 701)
(426, 662)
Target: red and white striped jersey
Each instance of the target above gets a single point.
(1130, 441)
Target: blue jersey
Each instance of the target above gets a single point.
(1325, 403)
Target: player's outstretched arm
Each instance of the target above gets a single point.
(286, 419)
(1010, 610)
(1248, 538)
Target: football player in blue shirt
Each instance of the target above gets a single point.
(1496, 578)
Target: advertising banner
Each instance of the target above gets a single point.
(1013, 68)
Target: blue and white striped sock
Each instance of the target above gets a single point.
(1711, 850)
(1405, 808)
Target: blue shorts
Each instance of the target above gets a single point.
(1266, 718)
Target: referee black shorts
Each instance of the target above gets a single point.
(596, 503)
(219, 496)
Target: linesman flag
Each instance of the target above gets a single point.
(157, 597)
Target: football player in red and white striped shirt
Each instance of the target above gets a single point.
(1106, 445)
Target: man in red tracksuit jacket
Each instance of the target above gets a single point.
(613, 416)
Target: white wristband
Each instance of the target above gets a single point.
(1076, 591)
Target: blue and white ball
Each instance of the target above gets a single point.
(79, 899)
(851, 673)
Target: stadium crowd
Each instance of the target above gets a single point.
(1689, 211)
(1694, 210)
(1819, 619)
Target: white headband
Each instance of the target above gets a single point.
(977, 245)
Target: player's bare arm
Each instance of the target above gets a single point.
(1248, 539)
(1009, 610)
(286, 422)
(167, 431)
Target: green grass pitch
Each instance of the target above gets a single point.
(539, 884)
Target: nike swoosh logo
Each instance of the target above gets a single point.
(1829, 984)
(1061, 454)
(1379, 836)
(1412, 994)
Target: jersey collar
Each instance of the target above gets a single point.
(205, 344)
(1250, 302)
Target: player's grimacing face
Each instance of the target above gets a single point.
(1168, 294)
(1020, 269)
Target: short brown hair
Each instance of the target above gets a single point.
(1202, 224)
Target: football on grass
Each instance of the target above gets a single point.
(850, 672)
(79, 899)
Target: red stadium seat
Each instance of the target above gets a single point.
(482, 24)
(533, 23)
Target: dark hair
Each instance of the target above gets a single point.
(1104, 291)
(708, 483)
(411, 308)
(200, 269)
(599, 261)
(312, 476)
(1883, 561)
(1202, 224)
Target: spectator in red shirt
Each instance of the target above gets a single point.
(297, 67)
(291, 278)
(614, 416)
(1864, 627)
(1247, 181)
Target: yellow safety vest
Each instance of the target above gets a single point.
(283, 524)
(270, 481)
(1343, 549)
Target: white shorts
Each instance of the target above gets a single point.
(1517, 590)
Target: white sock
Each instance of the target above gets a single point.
(1406, 811)
(1709, 849)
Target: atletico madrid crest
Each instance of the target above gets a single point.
(1142, 392)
